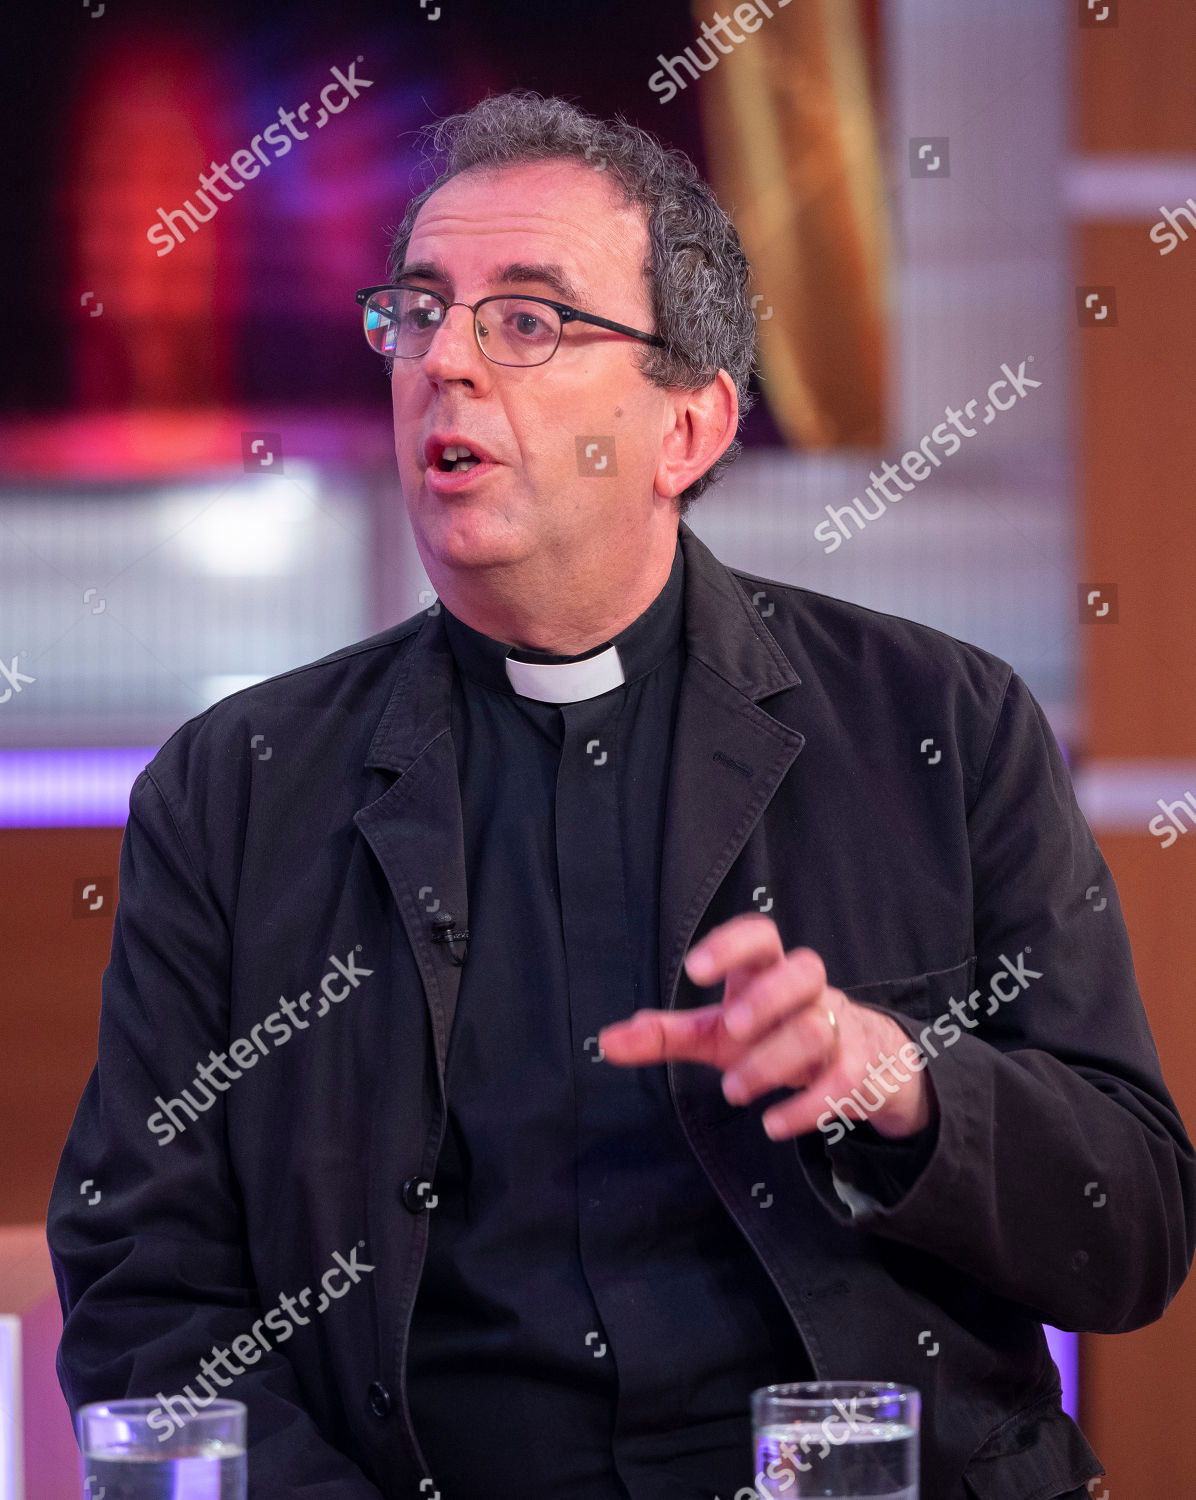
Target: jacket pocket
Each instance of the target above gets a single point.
(920, 995)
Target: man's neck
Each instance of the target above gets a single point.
(566, 624)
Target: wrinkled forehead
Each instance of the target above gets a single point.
(559, 213)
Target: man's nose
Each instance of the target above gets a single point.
(453, 353)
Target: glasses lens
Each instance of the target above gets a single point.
(400, 321)
(516, 331)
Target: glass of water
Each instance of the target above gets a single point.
(145, 1450)
(841, 1439)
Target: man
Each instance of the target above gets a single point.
(419, 1126)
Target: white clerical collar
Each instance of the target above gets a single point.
(566, 681)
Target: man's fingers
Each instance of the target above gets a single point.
(794, 1116)
(749, 941)
(797, 980)
(792, 1055)
(651, 1036)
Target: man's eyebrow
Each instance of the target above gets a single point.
(548, 273)
(518, 272)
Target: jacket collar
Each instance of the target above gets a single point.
(723, 631)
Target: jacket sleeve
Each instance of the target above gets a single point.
(882, 1168)
(1061, 1176)
(152, 1265)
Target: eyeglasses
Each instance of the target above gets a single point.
(401, 321)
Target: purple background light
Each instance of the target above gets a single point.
(1064, 1349)
(80, 788)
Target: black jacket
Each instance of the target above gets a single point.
(278, 850)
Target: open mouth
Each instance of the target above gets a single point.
(456, 459)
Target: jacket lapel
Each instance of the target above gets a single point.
(729, 757)
(414, 827)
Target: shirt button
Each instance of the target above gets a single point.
(416, 1194)
(379, 1399)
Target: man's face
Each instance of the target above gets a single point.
(488, 233)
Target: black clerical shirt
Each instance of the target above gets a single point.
(591, 1321)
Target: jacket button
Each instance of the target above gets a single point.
(379, 1399)
(417, 1194)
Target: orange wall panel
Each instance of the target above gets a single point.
(1135, 81)
(50, 999)
(1136, 384)
(1130, 1381)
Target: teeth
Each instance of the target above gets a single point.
(456, 458)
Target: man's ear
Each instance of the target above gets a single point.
(701, 426)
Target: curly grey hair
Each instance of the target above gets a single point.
(697, 273)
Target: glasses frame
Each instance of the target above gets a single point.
(566, 314)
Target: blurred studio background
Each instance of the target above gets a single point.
(197, 479)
